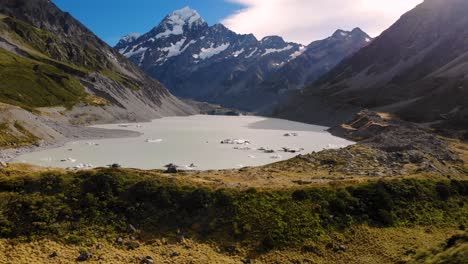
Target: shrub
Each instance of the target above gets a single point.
(109, 200)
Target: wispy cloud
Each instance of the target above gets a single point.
(307, 20)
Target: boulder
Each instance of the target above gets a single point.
(174, 254)
(84, 256)
(171, 168)
(147, 260)
(339, 248)
(231, 249)
(119, 241)
(415, 157)
(115, 166)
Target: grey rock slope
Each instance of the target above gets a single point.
(38, 27)
(214, 64)
(416, 69)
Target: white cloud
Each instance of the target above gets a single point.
(307, 20)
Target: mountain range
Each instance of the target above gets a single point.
(416, 69)
(51, 62)
(214, 64)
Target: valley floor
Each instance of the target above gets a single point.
(398, 196)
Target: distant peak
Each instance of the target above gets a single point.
(359, 32)
(272, 39)
(179, 22)
(130, 37)
(341, 33)
(185, 15)
(219, 26)
(356, 32)
(127, 39)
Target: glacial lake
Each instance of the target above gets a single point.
(193, 140)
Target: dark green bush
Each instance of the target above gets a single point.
(110, 199)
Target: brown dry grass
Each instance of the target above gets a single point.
(364, 245)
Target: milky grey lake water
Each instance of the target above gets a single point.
(192, 140)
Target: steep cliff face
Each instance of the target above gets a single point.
(416, 69)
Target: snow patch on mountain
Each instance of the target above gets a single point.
(133, 52)
(174, 49)
(269, 51)
(177, 29)
(297, 53)
(237, 53)
(252, 53)
(188, 45)
(206, 53)
(175, 22)
(131, 37)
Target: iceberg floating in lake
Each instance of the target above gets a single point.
(292, 150)
(292, 134)
(83, 166)
(154, 140)
(236, 141)
(268, 150)
(243, 148)
(332, 146)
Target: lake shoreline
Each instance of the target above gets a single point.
(9, 155)
(314, 137)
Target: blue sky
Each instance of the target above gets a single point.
(111, 19)
(301, 21)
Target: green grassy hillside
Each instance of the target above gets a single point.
(15, 135)
(26, 82)
(73, 206)
(46, 68)
(452, 251)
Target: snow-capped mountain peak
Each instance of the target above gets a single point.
(127, 39)
(131, 37)
(273, 41)
(356, 32)
(177, 20)
(186, 14)
(341, 33)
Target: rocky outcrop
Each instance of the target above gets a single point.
(388, 133)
